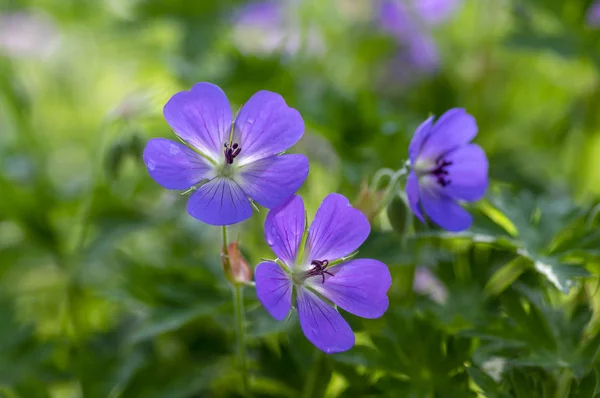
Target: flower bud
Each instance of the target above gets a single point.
(368, 201)
(398, 214)
(236, 269)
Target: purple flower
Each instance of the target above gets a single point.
(27, 34)
(409, 22)
(426, 283)
(417, 46)
(228, 164)
(434, 12)
(446, 168)
(269, 26)
(593, 15)
(319, 273)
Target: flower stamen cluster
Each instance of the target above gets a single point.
(231, 152)
(319, 269)
(441, 171)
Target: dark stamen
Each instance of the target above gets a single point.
(319, 269)
(440, 172)
(231, 152)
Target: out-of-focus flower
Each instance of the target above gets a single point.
(446, 168)
(27, 35)
(434, 12)
(417, 46)
(269, 26)
(409, 23)
(428, 284)
(225, 163)
(593, 15)
(320, 269)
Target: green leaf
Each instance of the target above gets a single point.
(560, 275)
(488, 386)
(169, 319)
(565, 45)
(506, 275)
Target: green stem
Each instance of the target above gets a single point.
(391, 189)
(406, 281)
(378, 176)
(238, 305)
(311, 379)
(224, 251)
(564, 381)
(238, 309)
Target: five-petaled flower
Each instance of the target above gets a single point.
(228, 163)
(320, 272)
(446, 168)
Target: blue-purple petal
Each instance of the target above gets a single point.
(201, 117)
(266, 126)
(445, 211)
(220, 201)
(271, 181)
(322, 324)
(337, 230)
(274, 289)
(359, 286)
(412, 193)
(173, 165)
(468, 173)
(419, 137)
(284, 227)
(452, 130)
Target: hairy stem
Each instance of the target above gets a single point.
(391, 189)
(238, 309)
(238, 304)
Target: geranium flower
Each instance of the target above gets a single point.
(446, 168)
(228, 164)
(593, 15)
(410, 22)
(320, 273)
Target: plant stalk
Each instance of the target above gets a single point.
(238, 309)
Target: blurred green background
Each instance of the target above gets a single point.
(109, 289)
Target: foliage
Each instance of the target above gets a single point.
(109, 289)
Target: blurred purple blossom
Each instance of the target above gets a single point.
(446, 168)
(358, 286)
(226, 161)
(434, 12)
(409, 22)
(426, 283)
(27, 34)
(593, 15)
(268, 26)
